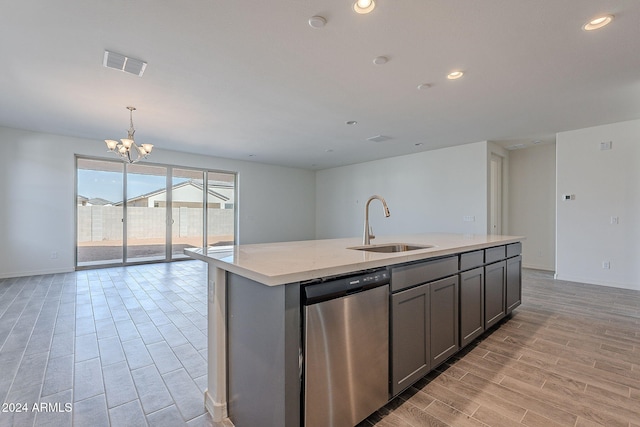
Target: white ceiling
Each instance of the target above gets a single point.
(252, 80)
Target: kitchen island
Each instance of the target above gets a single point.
(254, 300)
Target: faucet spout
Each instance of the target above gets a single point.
(368, 232)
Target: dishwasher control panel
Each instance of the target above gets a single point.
(324, 289)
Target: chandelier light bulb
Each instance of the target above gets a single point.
(111, 144)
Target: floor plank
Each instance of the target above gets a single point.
(120, 345)
(568, 356)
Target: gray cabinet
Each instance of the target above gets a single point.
(514, 283)
(441, 305)
(444, 319)
(406, 276)
(494, 292)
(495, 254)
(471, 305)
(424, 318)
(410, 337)
(424, 330)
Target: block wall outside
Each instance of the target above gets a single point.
(104, 223)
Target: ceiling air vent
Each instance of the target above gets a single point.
(124, 63)
(379, 138)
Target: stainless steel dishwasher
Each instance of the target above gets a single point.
(346, 348)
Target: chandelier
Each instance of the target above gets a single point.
(126, 146)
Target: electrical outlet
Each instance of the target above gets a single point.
(54, 255)
(606, 265)
(615, 220)
(468, 218)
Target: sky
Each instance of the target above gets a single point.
(108, 185)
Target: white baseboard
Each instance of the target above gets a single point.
(11, 275)
(217, 410)
(538, 267)
(590, 281)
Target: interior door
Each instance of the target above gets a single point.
(495, 205)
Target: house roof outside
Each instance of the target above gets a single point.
(190, 183)
(94, 201)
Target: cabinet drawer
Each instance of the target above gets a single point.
(471, 260)
(414, 274)
(514, 249)
(495, 254)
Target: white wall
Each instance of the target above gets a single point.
(37, 199)
(426, 192)
(532, 203)
(605, 184)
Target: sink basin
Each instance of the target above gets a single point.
(391, 247)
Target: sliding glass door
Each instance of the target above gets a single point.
(148, 213)
(221, 190)
(99, 212)
(146, 222)
(187, 211)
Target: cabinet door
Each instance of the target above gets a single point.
(494, 293)
(444, 319)
(410, 354)
(471, 305)
(514, 283)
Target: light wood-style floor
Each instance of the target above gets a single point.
(127, 347)
(568, 356)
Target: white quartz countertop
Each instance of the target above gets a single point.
(286, 262)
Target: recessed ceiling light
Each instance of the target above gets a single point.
(317, 22)
(424, 86)
(351, 122)
(455, 75)
(364, 6)
(597, 23)
(418, 144)
(329, 150)
(380, 60)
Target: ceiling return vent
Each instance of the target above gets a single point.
(120, 62)
(379, 138)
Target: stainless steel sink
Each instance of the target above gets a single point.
(391, 247)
